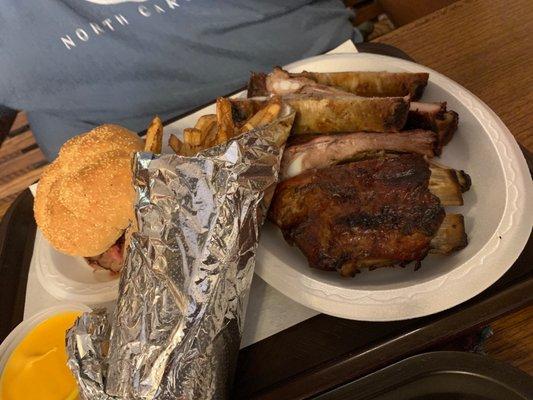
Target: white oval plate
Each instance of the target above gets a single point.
(495, 210)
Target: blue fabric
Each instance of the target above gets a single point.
(75, 64)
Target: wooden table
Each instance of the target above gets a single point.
(486, 46)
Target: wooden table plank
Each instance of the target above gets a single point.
(486, 46)
(20, 163)
(16, 143)
(20, 183)
(21, 121)
(405, 11)
(512, 340)
(6, 121)
(4, 206)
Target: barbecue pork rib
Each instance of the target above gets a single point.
(434, 117)
(335, 113)
(327, 113)
(368, 213)
(325, 150)
(426, 116)
(361, 83)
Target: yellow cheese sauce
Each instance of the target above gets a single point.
(37, 368)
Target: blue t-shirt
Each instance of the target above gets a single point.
(75, 64)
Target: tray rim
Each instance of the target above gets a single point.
(437, 362)
(422, 334)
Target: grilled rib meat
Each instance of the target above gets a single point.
(282, 83)
(427, 116)
(322, 108)
(372, 212)
(323, 151)
(327, 113)
(435, 117)
(424, 114)
(361, 83)
(332, 114)
(372, 83)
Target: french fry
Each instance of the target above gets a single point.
(226, 127)
(180, 148)
(204, 132)
(205, 123)
(175, 144)
(211, 136)
(193, 136)
(154, 136)
(213, 129)
(264, 116)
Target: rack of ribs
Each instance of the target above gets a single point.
(381, 87)
(370, 213)
(360, 83)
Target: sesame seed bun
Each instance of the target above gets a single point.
(84, 199)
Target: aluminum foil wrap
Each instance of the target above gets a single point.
(176, 328)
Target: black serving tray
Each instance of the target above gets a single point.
(440, 376)
(318, 354)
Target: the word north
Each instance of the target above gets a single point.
(95, 29)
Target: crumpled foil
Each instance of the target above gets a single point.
(176, 328)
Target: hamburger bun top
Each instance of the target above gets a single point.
(84, 199)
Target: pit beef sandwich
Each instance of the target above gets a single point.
(84, 200)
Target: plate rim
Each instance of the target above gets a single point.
(513, 171)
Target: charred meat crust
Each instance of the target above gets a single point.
(396, 120)
(435, 117)
(345, 215)
(243, 109)
(423, 115)
(257, 84)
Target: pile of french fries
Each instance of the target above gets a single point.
(213, 129)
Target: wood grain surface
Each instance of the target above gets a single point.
(512, 340)
(21, 160)
(487, 47)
